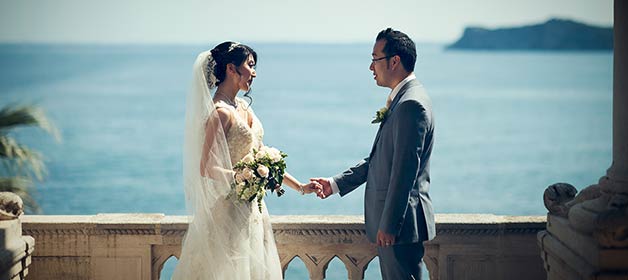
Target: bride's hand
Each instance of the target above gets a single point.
(311, 187)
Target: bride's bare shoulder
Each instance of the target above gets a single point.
(226, 117)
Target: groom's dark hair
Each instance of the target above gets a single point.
(398, 43)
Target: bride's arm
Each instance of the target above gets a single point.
(293, 183)
(288, 180)
(211, 131)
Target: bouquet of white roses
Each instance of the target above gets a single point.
(257, 172)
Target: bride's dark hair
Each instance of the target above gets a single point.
(223, 54)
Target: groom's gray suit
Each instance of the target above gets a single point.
(396, 199)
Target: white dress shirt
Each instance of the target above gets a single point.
(391, 97)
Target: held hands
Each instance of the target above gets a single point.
(311, 187)
(325, 187)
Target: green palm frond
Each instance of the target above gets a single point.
(19, 160)
(24, 115)
(23, 187)
(21, 164)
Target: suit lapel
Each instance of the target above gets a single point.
(393, 104)
(379, 132)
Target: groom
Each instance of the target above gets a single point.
(397, 207)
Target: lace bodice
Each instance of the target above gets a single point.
(241, 138)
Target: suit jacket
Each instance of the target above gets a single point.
(397, 171)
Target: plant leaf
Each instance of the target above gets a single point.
(22, 187)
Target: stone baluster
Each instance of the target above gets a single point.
(317, 265)
(317, 262)
(316, 243)
(172, 229)
(430, 259)
(356, 263)
(160, 254)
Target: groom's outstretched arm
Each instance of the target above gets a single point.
(353, 177)
(345, 182)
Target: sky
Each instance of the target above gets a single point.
(308, 21)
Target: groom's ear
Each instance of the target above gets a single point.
(396, 62)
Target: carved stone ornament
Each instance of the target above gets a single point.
(594, 210)
(556, 196)
(612, 224)
(11, 206)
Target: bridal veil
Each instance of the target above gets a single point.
(220, 242)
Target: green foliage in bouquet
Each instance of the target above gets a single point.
(262, 170)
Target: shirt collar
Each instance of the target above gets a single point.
(394, 92)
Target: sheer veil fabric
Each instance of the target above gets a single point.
(226, 239)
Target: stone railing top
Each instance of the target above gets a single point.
(487, 224)
(330, 229)
(147, 222)
(487, 219)
(151, 220)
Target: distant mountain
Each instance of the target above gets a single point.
(555, 34)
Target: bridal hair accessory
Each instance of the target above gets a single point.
(380, 115)
(209, 71)
(257, 172)
(233, 46)
(210, 66)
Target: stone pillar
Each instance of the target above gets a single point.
(15, 257)
(619, 170)
(16, 250)
(587, 235)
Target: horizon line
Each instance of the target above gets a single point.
(87, 43)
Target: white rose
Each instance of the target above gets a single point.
(248, 174)
(272, 153)
(248, 158)
(276, 156)
(239, 177)
(262, 170)
(260, 154)
(272, 150)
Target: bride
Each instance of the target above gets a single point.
(226, 239)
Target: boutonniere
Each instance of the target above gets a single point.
(380, 115)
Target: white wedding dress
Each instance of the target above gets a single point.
(226, 239)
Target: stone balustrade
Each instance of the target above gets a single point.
(136, 246)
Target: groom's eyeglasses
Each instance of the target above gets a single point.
(383, 57)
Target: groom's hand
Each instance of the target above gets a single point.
(385, 239)
(312, 187)
(326, 192)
